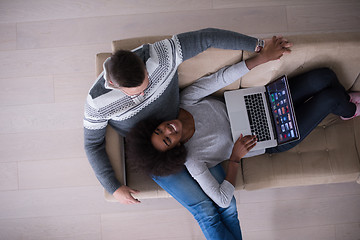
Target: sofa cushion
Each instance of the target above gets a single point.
(206, 63)
(329, 154)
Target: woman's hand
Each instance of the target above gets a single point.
(242, 146)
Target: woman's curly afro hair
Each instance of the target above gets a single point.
(142, 155)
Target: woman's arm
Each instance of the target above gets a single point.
(220, 193)
(205, 86)
(241, 147)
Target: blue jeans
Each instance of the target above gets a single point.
(215, 222)
(315, 95)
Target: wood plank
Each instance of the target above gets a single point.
(81, 31)
(26, 90)
(42, 145)
(38, 10)
(79, 227)
(73, 87)
(41, 117)
(348, 231)
(156, 224)
(7, 36)
(324, 17)
(313, 233)
(288, 214)
(52, 202)
(71, 201)
(8, 176)
(50, 61)
(262, 3)
(57, 173)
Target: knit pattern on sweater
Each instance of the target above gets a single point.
(104, 104)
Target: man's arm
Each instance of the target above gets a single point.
(274, 49)
(94, 142)
(193, 43)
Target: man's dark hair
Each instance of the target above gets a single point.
(126, 69)
(142, 155)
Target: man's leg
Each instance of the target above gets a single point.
(189, 194)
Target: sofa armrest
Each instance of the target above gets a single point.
(99, 60)
(115, 149)
(356, 86)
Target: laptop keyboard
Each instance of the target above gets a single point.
(257, 116)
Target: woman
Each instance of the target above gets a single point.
(200, 137)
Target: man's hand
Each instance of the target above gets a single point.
(124, 195)
(275, 48)
(242, 146)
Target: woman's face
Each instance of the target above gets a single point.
(167, 135)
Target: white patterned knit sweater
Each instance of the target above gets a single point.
(165, 56)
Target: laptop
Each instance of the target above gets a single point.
(266, 112)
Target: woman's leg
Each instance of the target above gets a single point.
(306, 85)
(316, 94)
(189, 194)
(229, 215)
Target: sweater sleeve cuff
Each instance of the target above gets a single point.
(228, 187)
(236, 71)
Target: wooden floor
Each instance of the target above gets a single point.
(47, 52)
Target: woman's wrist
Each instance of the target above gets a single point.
(235, 161)
(255, 61)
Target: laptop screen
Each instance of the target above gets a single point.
(282, 110)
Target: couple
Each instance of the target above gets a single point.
(137, 85)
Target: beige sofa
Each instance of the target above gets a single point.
(330, 154)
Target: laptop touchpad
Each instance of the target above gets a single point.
(242, 122)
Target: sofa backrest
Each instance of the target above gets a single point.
(189, 71)
(338, 51)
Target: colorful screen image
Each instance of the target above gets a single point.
(282, 110)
